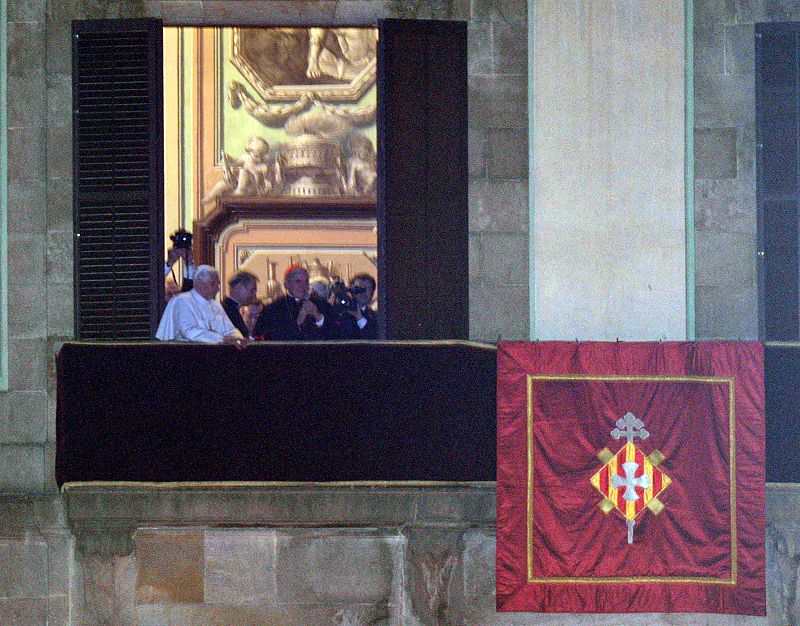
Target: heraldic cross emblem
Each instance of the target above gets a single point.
(629, 481)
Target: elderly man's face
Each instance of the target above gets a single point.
(245, 293)
(297, 284)
(208, 286)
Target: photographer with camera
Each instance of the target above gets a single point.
(352, 318)
(294, 316)
(181, 249)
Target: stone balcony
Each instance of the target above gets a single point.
(267, 553)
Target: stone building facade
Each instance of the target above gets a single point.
(339, 556)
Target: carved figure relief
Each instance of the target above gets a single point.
(308, 82)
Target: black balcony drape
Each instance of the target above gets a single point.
(276, 412)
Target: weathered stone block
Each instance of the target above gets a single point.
(23, 611)
(152, 8)
(16, 515)
(724, 100)
(479, 48)
(474, 256)
(740, 49)
(26, 101)
(479, 567)
(242, 11)
(26, 10)
(715, 153)
(109, 590)
(183, 12)
(500, 9)
(21, 469)
(131, 8)
(709, 49)
(59, 257)
(50, 514)
(330, 565)
(26, 45)
(725, 259)
(455, 10)
(169, 566)
(59, 151)
(363, 12)
(27, 418)
(498, 101)
(505, 258)
(498, 312)
(751, 11)
(499, 206)
(26, 256)
(714, 11)
(27, 317)
(50, 485)
(239, 566)
(781, 10)
(26, 207)
(456, 506)
(477, 152)
(207, 614)
(51, 417)
(59, 101)
(725, 206)
(726, 313)
(59, 557)
(59, 204)
(26, 160)
(58, 611)
(507, 153)
(510, 46)
(746, 153)
(434, 574)
(59, 39)
(27, 365)
(60, 309)
(24, 571)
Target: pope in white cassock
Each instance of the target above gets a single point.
(195, 315)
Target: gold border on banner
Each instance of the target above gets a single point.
(732, 454)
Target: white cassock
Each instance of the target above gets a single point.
(190, 317)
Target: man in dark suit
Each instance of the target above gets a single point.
(242, 289)
(363, 324)
(293, 316)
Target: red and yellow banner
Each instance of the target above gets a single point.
(630, 477)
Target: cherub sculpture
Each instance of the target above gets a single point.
(362, 173)
(245, 175)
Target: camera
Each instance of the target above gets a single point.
(343, 297)
(181, 239)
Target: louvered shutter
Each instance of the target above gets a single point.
(118, 159)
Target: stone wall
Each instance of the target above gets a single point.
(725, 175)
(40, 181)
(347, 555)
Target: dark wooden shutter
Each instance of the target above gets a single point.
(778, 178)
(422, 180)
(118, 192)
